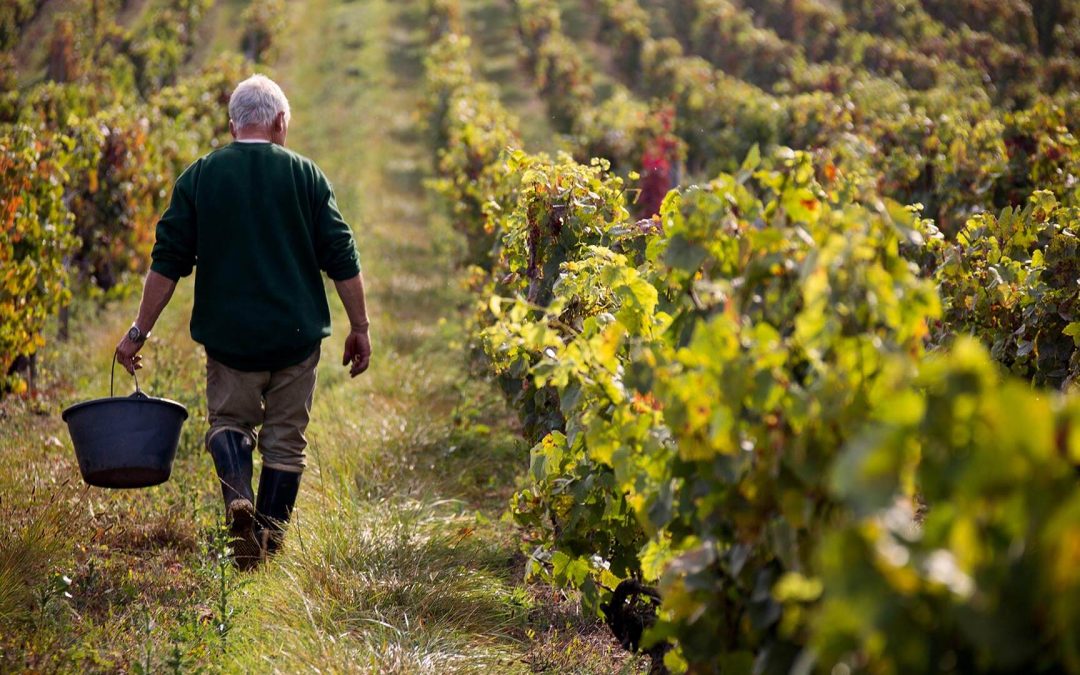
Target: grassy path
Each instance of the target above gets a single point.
(492, 26)
(392, 565)
(398, 560)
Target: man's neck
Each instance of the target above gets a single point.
(252, 139)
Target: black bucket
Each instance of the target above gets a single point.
(125, 442)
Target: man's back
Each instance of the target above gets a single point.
(261, 223)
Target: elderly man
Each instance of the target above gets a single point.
(261, 224)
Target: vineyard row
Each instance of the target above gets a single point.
(763, 409)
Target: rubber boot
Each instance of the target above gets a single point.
(231, 451)
(277, 495)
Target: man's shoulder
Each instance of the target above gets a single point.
(301, 160)
(216, 152)
(199, 162)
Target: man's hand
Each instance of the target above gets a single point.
(357, 345)
(357, 351)
(127, 354)
(157, 289)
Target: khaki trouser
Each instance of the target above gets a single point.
(278, 401)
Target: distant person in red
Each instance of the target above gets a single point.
(261, 225)
(660, 165)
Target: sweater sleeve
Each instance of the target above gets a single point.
(334, 243)
(173, 255)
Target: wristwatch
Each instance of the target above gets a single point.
(136, 335)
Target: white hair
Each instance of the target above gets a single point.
(256, 102)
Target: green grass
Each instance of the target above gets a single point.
(399, 558)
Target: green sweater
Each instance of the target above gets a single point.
(261, 223)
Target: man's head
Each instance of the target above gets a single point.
(258, 109)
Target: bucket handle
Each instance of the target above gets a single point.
(112, 381)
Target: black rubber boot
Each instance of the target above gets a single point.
(231, 451)
(277, 495)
